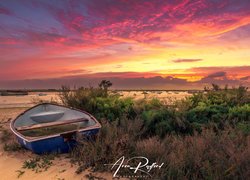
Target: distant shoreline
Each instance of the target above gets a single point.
(59, 90)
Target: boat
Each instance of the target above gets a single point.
(47, 128)
(42, 94)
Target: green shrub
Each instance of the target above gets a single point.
(204, 114)
(244, 127)
(217, 107)
(98, 102)
(214, 108)
(11, 147)
(158, 121)
(218, 96)
(240, 113)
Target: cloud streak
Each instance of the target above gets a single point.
(186, 60)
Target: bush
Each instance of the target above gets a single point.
(205, 136)
(215, 108)
(204, 114)
(164, 121)
(240, 113)
(98, 102)
(11, 147)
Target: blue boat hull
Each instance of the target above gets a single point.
(53, 144)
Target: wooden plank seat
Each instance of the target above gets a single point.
(51, 124)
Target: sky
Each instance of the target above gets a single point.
(159, 44)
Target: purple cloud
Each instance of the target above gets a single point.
(186, 60)
(245, 78)
(5, 11)
(217, 74)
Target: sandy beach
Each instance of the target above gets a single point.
(165, 96)
(34, 98)
(27, 100)
(11, 163)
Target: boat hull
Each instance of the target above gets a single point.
(58, 141)
(56, 144)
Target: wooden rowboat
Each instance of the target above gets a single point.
(48, 127)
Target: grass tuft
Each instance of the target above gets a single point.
(39, 163)
(20, 173)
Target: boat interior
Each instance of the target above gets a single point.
(48, 119)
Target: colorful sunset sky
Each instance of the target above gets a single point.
(136, 44)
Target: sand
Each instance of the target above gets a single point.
(27, 101)
(165, 96)
(10, 163)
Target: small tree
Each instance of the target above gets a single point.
(215, 87)
(206, 88)
(105, 84)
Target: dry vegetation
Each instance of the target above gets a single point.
(205, 136)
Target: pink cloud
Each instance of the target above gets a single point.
(5, 11)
